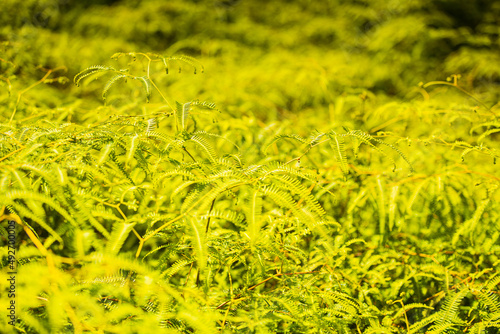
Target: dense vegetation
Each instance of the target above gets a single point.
(251, 166)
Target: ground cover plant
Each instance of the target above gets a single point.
(245, 166)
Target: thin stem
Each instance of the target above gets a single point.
(454, 84)
(11, 153)
(190, 155)
(404, 312)
(141, 244)
(49, 72)
(156, 87)
(208, 220)
(26, 229)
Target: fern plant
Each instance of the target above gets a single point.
(109, 182)
(148, 214)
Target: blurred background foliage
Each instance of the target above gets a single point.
(280, 58)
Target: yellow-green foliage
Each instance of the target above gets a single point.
(250, 166)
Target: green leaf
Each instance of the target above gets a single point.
(119, 234)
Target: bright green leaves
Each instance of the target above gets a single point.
(468, 227)
(337, 143)
(118, 236)
(193, 62)
(110, 83)
(240, 227)
(182, 114)
(186, 111)
(363, 137)
(205, 146)
(196, 232)
(381, 207)
(449, 318)
(92, 72)
(147, 85)
(254, 216)
(338, 147)
(97, 71)
(131, 149)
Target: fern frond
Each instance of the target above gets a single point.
(367, 139)
(227, 173)
(186, 175)
(155, 250)
(484, 124)
(147, 85)
(338, 147)
(229, 215)
(487, 133)
(215, 135)
(205, 146)
(118, 167)
(110, 83)
(204, 105)
(410, 306)
(185, 59)
(467, 151)
(316, 137)
(175, 268)
(286, 136)
(450, 308)
(181, 187)
(152, 125)
(87, 214)
(491, 302)
(417, 326)
(285, 200)
(226, 163)
(100, 211)
(273, 168)
(253, 215)
(398, 151)
(196, 232)
(493, 283)
(182, 114)
(441, 328)
(162, 137)
(192, 196)
(131, 149)
(469, 225)
(27, 213)
(53, 184)
(294, 186)
(119, 234)
(96, 69)
(205, 201)
(344, 302)
(10, 196)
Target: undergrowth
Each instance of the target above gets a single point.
(145, 214)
